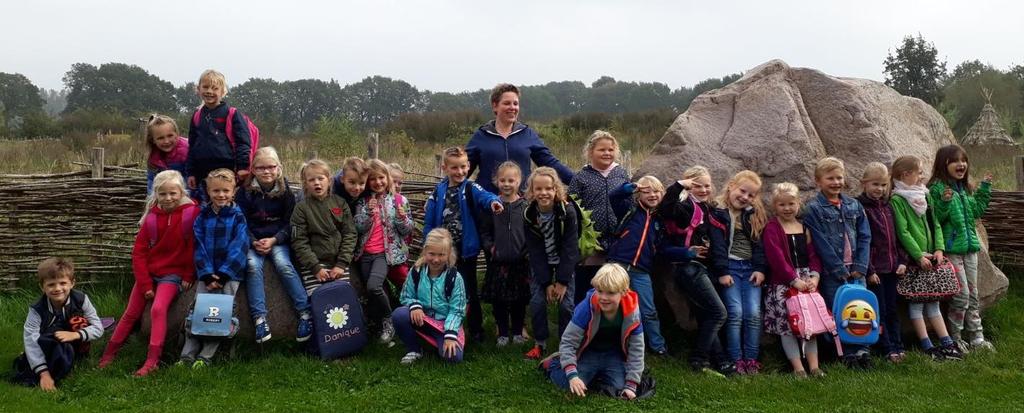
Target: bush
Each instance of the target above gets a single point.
(436, 127)
(337, 137)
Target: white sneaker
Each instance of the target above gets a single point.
(502, 341)
(962, 346)
(981, 344)
(518, 339)
(387, 333)
(411, 357)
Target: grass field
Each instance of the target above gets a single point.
(280, 379)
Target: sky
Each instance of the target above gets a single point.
(455, 46)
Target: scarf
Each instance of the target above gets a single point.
(916, 196)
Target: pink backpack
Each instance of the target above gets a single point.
(188, 217)
(695, 220)
(254, 132)
(808, 316)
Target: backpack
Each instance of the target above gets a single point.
(188, 215)
(808, 316)
(212, 316)
(449, 281)
(696, 219)
(338, 325)
(254, 132)
(856, 312)
(588, 236)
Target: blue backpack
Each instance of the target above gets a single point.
(856, 312)
(212, 316)
(338, 324)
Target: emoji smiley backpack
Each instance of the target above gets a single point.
(856, 312)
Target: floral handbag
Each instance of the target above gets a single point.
(922, 286)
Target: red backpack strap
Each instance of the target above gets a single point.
(227, 125)
(188, 217)
(195, 116)
(149, 226)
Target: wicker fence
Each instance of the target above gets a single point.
(1004, 221)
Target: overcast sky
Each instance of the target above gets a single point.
(467, 45)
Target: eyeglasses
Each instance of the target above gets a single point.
(268, 168)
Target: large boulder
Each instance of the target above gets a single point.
(779, 120)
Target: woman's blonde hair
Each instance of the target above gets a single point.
(648, 181)
(439, 238)
(377, 166)
(611, 278)
(156, 120)
(315, 165)
(214, 77)
(560, 193)
(169, 176)
(598, 136)
(760, 217)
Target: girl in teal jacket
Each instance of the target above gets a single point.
(957, 205)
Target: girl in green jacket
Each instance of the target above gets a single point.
(957, 205)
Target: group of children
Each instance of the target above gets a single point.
(723, 252)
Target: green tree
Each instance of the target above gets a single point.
(915, 70)
(127, 89)
(378, 99)
(19, 98)
(964, 100)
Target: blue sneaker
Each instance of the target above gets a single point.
(305, 327)
(262, 330)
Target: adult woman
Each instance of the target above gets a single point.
(506, 139)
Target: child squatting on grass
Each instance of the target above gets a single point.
(604, 340)
(58, 329)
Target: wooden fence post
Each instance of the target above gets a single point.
(627, 160)
(372, 145)
(438, 158)
(1018, 165)
(311, 155)
(97, 162)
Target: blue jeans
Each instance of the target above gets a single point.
(408, 333)
(608, 365)
(743, 303)
(640, 282)
(539, 311)
(280, 256)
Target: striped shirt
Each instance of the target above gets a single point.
(547, 227)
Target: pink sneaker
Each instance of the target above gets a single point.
(753, 367)
(741, 366)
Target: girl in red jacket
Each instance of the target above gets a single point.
(162, 265)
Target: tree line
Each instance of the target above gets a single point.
(111, 95)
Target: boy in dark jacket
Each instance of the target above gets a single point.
(209, 145)
(638, 235)
(58, 328)
(604, 340)
(221, 244)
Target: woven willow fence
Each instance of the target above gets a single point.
(1004, 221)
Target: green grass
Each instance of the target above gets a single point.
(499, 380)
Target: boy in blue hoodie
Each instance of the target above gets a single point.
(454, 206)
(635, 246)
(605, 339)
(222, 244)
(209, 146)
(842, 239)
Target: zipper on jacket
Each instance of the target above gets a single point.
(888, 237)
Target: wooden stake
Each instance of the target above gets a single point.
(1018, 165)
(97, 162)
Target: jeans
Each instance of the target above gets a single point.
(640, 282)
(964, 309)
(407, 332)
(694, 279)
(608, 365)
(889, 341)
(743, 303)
(474, 314)
(539, 311)
(374, 271)
(280, 257)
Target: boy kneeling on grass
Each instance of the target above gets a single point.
(58, 328)
(604, 340)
